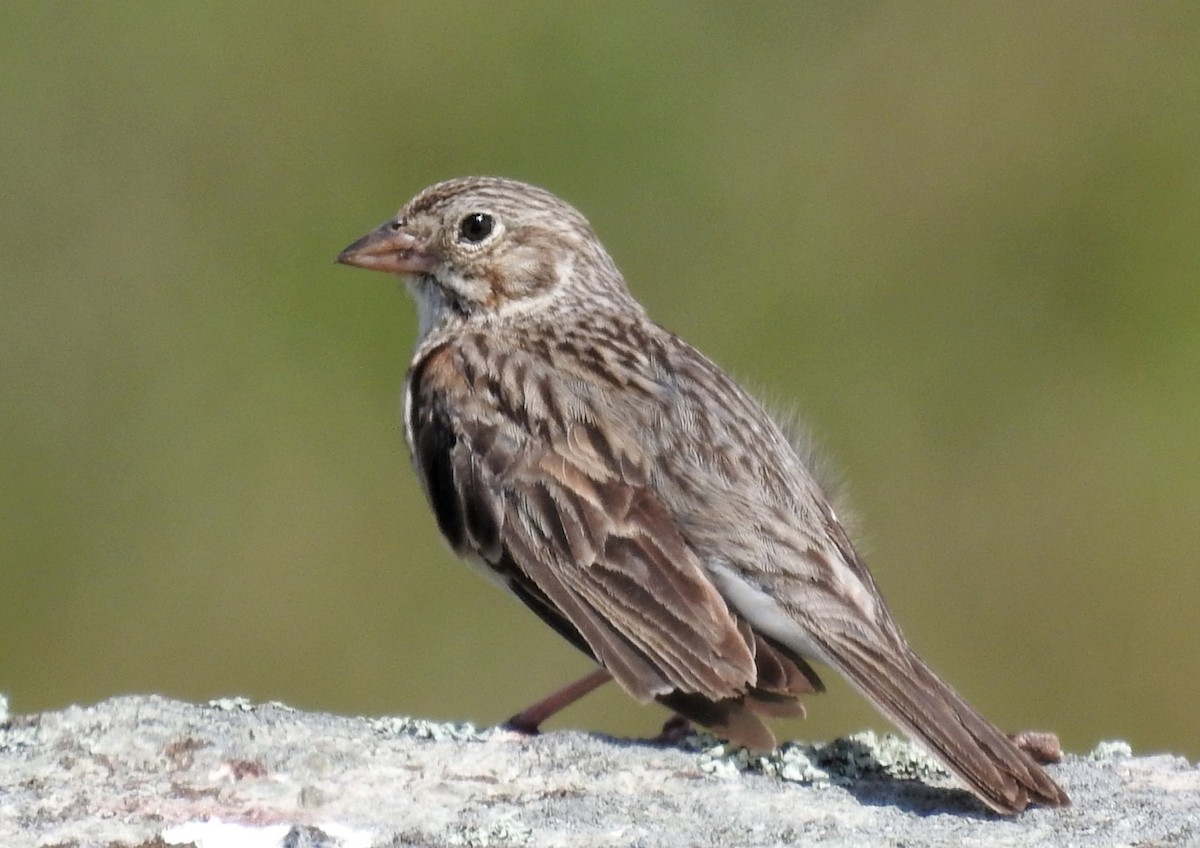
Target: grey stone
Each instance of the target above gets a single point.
(148, 771)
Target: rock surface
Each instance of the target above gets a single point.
(148, 771)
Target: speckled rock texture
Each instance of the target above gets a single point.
(148, 771)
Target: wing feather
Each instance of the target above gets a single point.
(609, 556)
(568, 521)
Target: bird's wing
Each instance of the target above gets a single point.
(561, 511)
(606, 555)
(564, 519)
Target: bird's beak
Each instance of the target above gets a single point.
(392, 249)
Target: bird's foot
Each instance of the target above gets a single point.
(1042, 745)
(674, 731)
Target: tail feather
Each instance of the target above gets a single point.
(908, 692)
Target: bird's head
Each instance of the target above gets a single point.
(486, 248)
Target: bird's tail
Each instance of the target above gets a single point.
(908, 692)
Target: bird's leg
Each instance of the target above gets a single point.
(529, 720)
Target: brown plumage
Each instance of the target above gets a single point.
(635, 497)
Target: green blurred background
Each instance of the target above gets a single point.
(962, 238)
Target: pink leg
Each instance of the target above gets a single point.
(530, 719)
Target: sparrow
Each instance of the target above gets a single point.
(634, 496)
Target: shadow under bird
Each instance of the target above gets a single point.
(635, 497)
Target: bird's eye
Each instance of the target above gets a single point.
(476, 227)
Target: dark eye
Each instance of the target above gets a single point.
(476, 227)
